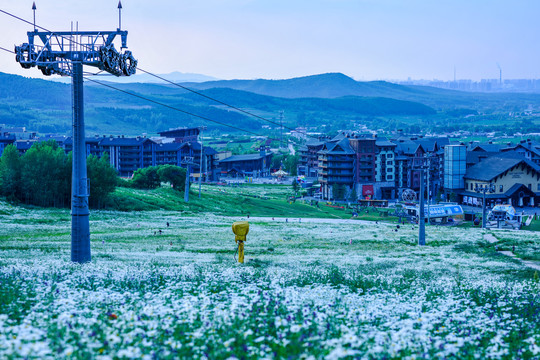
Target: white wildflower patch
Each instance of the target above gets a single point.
(311, 289)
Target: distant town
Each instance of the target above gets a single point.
(484, 85)
(347, 166)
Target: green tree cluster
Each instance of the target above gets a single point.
(290, 163)
(42, 176)
(339, 191)
(151, 177)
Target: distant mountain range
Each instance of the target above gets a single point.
(329, 101)
(175, 76)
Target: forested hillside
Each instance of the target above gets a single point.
(46, 107)
(325, 102)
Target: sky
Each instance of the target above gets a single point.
(278, 39)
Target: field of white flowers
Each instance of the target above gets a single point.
(309, 289)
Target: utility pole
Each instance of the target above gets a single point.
(422, 220)
(80, 225)
(56, 55)
(186, 190)
(483, 189)
(200, 165)
(428, 189)
(188, 161)
(421, 216)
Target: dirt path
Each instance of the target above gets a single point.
(492, 240)
(312, 220)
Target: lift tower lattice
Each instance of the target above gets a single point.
(64, 53)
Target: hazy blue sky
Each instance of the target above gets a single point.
(365, 39)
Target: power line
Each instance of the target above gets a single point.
(216, 100)
(166, 80)
(161, 78)
(9, 51)
(179, 110)
(168, 106)
(42, 28)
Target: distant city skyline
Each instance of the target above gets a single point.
(247, 39)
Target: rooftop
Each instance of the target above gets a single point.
(493, 166)
(246, 157)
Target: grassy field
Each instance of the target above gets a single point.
(320, 288)
(242, 200)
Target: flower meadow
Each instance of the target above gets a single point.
(310, 288)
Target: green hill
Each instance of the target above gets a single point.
(45, 106)
(334, 85)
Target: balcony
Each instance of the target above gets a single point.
(343, 173)
(340, 165)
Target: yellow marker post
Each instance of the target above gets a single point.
(240, 230)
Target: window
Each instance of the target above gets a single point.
(500, 188)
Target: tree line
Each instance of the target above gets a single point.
(42, 176)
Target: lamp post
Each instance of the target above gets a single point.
(421, 216)
(428, 189)
(201, 163)
(188, 162)
(483, 188)
(421, 220)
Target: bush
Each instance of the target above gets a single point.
(146, 178)
(174, 175)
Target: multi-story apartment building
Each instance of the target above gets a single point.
(182, 134)
(5, 140)
(256, 165)
(364, 149)
(529, 149)
(128, 154)
(336, 166)
(385, 168)
(308, 164)
(179, 154)
(410, 156)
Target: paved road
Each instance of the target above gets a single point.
(291, 149)
(294, 220)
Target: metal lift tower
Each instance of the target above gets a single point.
(64, 53)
